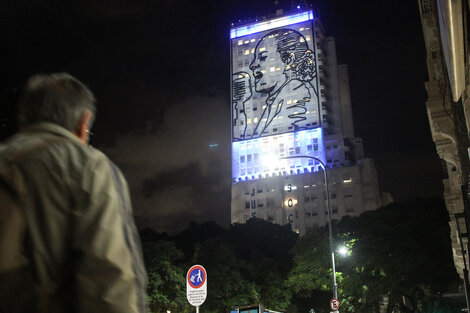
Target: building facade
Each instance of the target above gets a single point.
(448, 107)
(291, 112)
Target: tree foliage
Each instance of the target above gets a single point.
(399, 260)
(227, 286)
(167, 280)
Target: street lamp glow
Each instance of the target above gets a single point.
(343, 251)
(270, 161)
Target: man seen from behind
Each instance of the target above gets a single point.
(68, 242)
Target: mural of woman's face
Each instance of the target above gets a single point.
(265, 80)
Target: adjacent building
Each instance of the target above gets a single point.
(291, 113)
(445, 28)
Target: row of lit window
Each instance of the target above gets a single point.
(241, 41)
(276, 128)
(270, 203)
(255, 119)
(260, 188)
(288, 101)
(277, 173)
(266, 143)
(256, 171)
(292, 150)
(261, 49)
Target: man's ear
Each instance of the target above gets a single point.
(82, 131)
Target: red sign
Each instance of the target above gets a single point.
(196, 276)
(334, 304)
(196, 285)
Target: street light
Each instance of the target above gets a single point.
(328, 209)
(343, 250)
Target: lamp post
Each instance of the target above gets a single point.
(328, 209)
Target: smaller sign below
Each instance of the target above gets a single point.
(196, 285)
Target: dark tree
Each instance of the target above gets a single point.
(400, 259)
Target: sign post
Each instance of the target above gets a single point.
(196, 286)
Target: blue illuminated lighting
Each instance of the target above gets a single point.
(260, 157)
(274, 23)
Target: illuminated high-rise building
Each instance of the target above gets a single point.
(290, 98)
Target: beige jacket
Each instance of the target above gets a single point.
(68, 242)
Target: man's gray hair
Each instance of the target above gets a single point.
(57, 98)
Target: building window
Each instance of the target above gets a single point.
(270, 202)
(247, 204)
(297, 150)
(248, 157)
(242, 159)
(309, 148)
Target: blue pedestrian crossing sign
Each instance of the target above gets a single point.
(196, 285)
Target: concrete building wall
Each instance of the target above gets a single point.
(300, 200)
(345, 99)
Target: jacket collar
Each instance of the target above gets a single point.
(51, 128)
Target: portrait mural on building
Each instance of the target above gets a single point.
(276, 89)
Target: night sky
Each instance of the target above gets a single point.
(160, 72)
